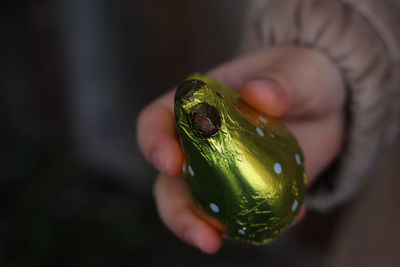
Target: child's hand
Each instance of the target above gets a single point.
(299, 85)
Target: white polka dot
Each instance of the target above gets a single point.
(259, 131)
(214, 207)
(294, 206)
(264, 120)
(298, 160)
(241, 231)
(191, 170)
(183, 167)
(277, 168)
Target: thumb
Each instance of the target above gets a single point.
(286, 81)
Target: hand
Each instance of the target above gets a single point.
(298, 85)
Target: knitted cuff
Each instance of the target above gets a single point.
(360, 38)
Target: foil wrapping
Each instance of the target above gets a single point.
(243, 169)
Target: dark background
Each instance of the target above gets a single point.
(74, 189)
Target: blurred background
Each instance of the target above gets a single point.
(74, 189)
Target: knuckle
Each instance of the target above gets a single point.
(142, 130)
(144, 114)
(156, 189)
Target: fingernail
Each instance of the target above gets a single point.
(157, 159)
(267, 95)
(191, 236)
(268, 83)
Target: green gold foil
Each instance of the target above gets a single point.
(244, 170)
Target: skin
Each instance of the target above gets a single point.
(300, 86)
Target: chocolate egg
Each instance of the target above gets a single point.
(243, 169)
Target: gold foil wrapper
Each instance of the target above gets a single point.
(243, 169)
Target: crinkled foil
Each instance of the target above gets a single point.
(243, 169)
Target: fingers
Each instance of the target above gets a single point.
(175, 210)
(157, 136)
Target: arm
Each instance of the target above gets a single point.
(361, 39)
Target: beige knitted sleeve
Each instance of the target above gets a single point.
(361, 38)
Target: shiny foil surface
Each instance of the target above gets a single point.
(243, 169)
